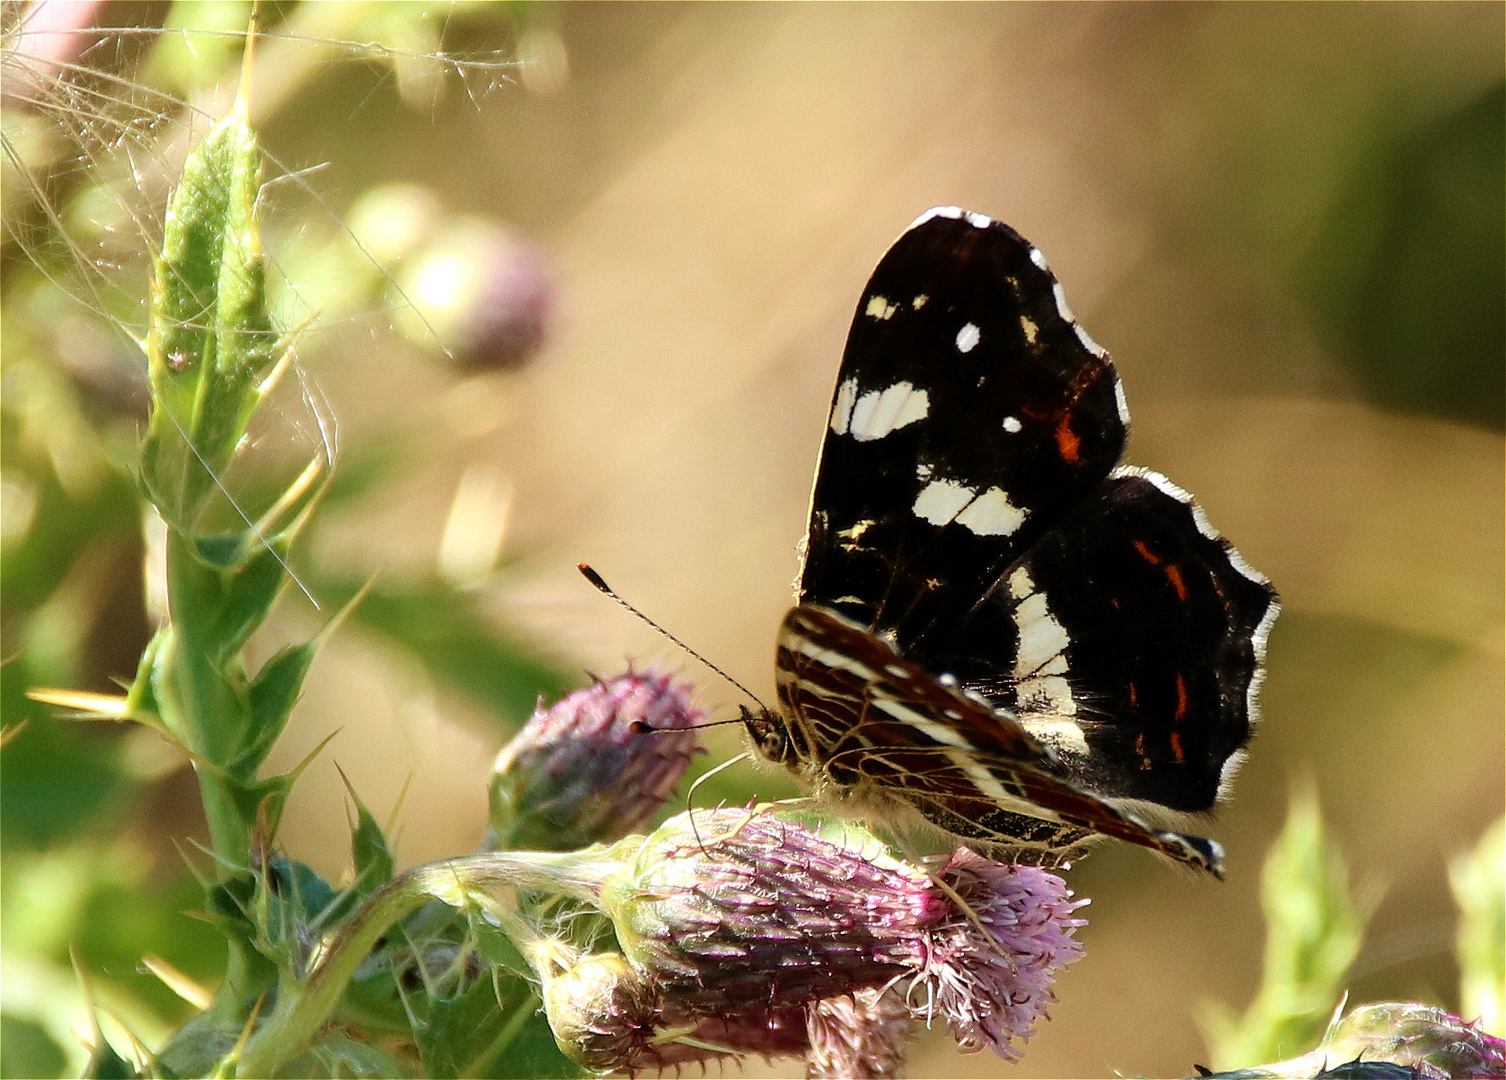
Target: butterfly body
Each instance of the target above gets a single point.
(998, 630)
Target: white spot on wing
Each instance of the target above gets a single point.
(880, 308)
(1012, 424)
(992, 514)
(1042, 638)
(1020, 583)
(968, 337)
(841, 410)
(940, 500)
(878, 412)
(1057, 732)
(1037, 258)
(979, 221)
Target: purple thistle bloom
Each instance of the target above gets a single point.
(993, 995)
(595, 766)
(752, 911)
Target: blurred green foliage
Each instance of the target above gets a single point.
(1313, 932)
(88, 163)
(1407, 271)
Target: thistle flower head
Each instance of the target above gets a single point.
(993, 962)
(745, 911)
(594, 766)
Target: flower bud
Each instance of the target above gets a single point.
(862, 1035)
(595, 766)
(1420, 1037)
(737, 910)
(485, 291)
(607, 1018)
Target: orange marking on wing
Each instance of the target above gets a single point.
(1067, 442)
(1147, 554)
(1176, 746)
(1181, 713)
(1134, 695)
(1175, 576)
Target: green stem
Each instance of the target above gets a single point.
(301, 1008)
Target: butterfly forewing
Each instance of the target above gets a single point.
(970, 413)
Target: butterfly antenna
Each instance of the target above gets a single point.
(597, 580)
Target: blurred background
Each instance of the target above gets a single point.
(577, 290)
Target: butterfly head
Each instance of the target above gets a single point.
(770, 735)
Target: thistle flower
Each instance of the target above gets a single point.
(588, 769)
(741, 911)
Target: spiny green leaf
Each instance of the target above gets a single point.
(210, 342)
(274, 692)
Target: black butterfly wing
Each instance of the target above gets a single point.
(971, 413)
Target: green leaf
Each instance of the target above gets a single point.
(492, 1028)
(106, 1064)
(210, 342)
(249, 594)
(273, 694)
(373, 861)
(341, 1056)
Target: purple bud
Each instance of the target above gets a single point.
(742, 911)
(485, 291)
(1429, 1040)
(595, 766)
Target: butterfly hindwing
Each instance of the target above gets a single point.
(884, 728)
(1129, 638)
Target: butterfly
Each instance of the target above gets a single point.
(999, 631)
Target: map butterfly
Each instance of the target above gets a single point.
(999, 631)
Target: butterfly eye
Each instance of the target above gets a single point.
(770, 735)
